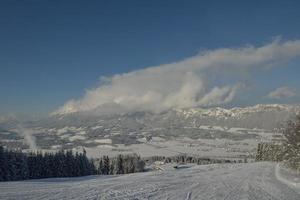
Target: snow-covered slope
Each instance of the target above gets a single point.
(220, 182)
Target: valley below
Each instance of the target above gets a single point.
(214, 132)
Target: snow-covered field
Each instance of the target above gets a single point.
(228, 181)
(160, 147)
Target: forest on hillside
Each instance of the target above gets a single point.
(16, 165)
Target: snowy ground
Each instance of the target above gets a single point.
(184, 145)
(230, 181)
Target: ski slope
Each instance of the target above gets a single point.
(227, 181)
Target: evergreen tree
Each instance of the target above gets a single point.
(21, 166)
(112, 167)
(69, 164)
(119, 168)
(106, 165)
(291, 143)
(100, 168)
(3, 165)
(131, 167)
(12, 171)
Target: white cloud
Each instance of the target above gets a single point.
(219, 96)
(282, 93)
(186, 83)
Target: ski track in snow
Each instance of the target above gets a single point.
(208, 182)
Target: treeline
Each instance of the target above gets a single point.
(183, 158)
(122, 164)
(291, 143)
(287, 150)
(16, 165)
(269, 152)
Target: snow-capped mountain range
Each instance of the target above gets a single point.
(238, 112)
(264, 116)
(94, 129)
(217, 112)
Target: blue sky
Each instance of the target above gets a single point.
(53, 51)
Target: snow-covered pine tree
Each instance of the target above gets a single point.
(119, 165)
(100, 167)
(112, 167)
(292, 143)
(106, 165)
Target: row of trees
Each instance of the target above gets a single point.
(287, 149)
(291, 143)
(15, 165)
(267, 151)
(183, 158)
(122, 164)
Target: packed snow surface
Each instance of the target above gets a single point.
(227, 181)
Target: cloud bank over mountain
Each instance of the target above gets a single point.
(191, 82)
(282, 93)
